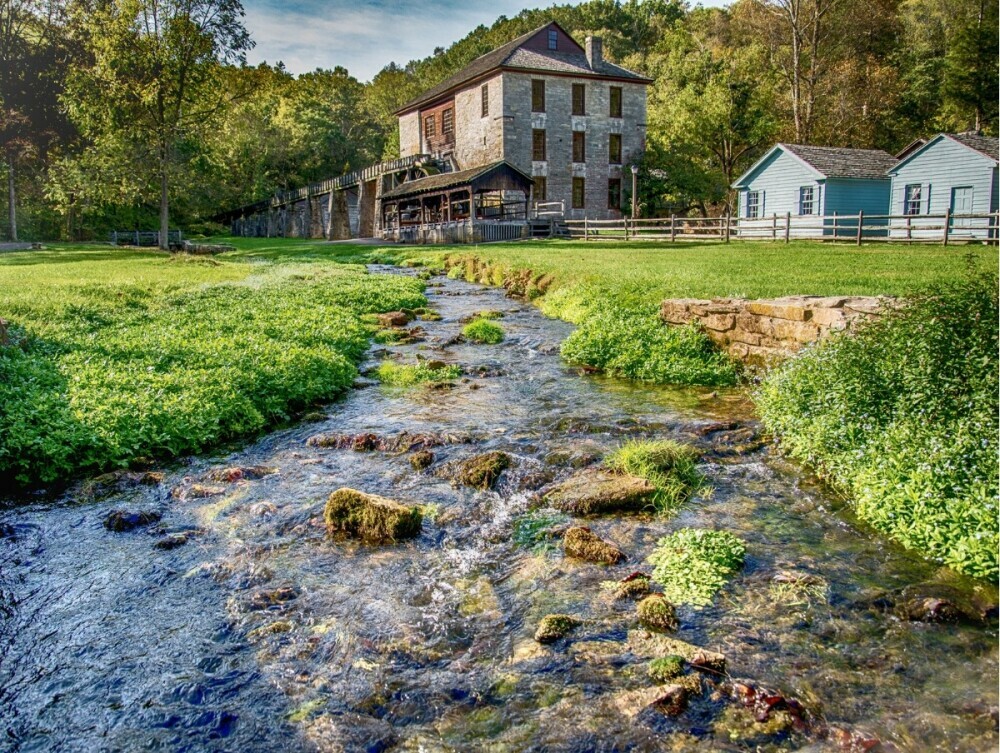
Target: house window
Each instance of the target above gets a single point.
(541, 188)
(485, 95)
(579, 99)
(578, 193)
(615, 148)
(912, 198)
(448, 122)
(579, 146)
(538, 145)
(616, 102)
(806, 203)
(614, 193)
(537, 95)
(429, 128)
(753, 204)
(553, 39)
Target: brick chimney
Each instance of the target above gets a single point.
(595, 52)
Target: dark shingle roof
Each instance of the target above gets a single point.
(835, 162)
(447, 180)
(987, 145)
(511, 56)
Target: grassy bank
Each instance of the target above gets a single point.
(121, 354)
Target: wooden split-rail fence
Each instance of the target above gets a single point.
(857, 228)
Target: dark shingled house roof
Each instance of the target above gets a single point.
(506, 172)
(987, 145)
(835, 162)
(511, 56)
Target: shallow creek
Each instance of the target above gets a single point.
(262, 634)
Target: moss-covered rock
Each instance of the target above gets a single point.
(241, 473)
(373, 519)
(666, 668)
(646, 644)
(395, 319)
(554, 627)
(421, 459)
(483, 471)
(656, 613)
(584, 544)
(125, 520)
(593, 491)
(635, 586)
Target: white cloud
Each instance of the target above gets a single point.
(363, 36)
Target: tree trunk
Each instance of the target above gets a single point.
(11, 198)
(164, 202)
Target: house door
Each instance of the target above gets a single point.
(961, 203)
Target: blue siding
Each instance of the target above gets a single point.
(940, 167)
(779, 177)
(848, 197)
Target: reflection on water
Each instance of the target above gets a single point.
(255, 632)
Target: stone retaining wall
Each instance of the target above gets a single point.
(762, 331)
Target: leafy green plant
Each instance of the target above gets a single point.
(410, 375)
(902, 416)
(532, 530)
(692, 564)
(483, 331)
(670, 466)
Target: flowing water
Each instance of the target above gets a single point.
(260, 633)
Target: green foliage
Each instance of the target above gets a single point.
(670, 466)
(134, 355)
(902, 416)
(410, 375)
(533, 530)
(666, 668)
(638, 346)
(692, 564)
(484, 332)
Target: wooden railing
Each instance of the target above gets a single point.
(548, 209)
(142, 237)
(857, 228)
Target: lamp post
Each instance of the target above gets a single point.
(635, 196)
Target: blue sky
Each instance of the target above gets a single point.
(366, 35)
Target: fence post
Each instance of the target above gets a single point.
(861, 223)
(585, 239)
(947, 224)
(673, 227)
(774, 226)
(788, 226)
(727, 227)
(909, 235)
(834, 225)
(625, 220)
(114, 234)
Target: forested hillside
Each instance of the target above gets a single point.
(106, 118)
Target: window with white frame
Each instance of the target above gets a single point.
(753, 204)
(912, 197)
(807, 199)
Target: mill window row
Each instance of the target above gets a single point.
(579, 106)
(539, 148)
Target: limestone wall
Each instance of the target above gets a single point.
(765, 330)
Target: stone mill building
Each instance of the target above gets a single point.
(539, 129)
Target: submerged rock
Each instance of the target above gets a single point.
(373, 519)
(483, 471)
(197, 491)
(941, 602)
(241, 473)
(271, 598)
(117, 481)
(635, 586)
(553, 627)
(657, 613)
(668, 699)
(584, 544)
(125, 520)
(421, 460)
(171, 541)
(651, 645)
(593, 491)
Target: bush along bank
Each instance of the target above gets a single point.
(619, 331)
(119, 372)
(902, 416)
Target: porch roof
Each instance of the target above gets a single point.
(499, 176)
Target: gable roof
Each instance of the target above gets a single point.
(515, 56)
(987, 146)
(830, 162)
(443, 181)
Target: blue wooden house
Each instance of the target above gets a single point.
(952, 172)
(804, 181)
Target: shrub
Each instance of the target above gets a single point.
(902, 416)
(692, 564)
(484, 332)
(410, 375)
(670, 466)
